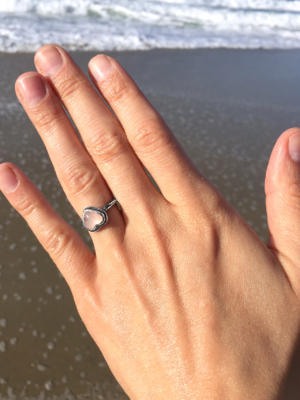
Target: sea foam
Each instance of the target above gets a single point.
(25, 25)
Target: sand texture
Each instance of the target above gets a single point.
(227, 108)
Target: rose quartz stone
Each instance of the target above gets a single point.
(91, 219)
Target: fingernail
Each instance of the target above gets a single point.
(8, 180)
(32, 89)
(49, 61)
(100, 68)
(294, 147)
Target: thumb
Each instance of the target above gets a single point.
(282, 188)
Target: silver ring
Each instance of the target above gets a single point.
(94, 219)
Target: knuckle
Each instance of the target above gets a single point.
(147, 136)
(223, 216)
(49, 119)
(215, 216)
(57, 241)
(27, 208)
(219, 209)
(79, 180)
(210, 233)
(69, 86)
(106, 147)
(117, 88)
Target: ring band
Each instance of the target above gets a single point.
(94, 219)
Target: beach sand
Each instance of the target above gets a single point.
(227, 108)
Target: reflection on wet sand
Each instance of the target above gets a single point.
(227, 124)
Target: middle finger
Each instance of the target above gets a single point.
(100, 130)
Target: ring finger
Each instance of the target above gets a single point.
(79, 176)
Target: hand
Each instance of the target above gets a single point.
(182, 297)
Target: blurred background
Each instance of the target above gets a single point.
(225, 76)
(141, 24)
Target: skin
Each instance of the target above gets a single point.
(182, 298)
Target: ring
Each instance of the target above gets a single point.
(94, 219)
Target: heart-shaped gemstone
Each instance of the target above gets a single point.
(92, 219)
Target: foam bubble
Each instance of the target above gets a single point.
(100, 25)
(42, 367)
(2, 347)
(48, 385)
(13, 341)
(22, 276)
(3, 322)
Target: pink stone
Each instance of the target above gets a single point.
(91, 219)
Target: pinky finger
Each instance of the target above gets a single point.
(64, 245)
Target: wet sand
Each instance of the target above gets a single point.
(227, 107)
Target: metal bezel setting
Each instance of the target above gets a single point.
(99, 211)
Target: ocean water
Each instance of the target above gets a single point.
(25, 25)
